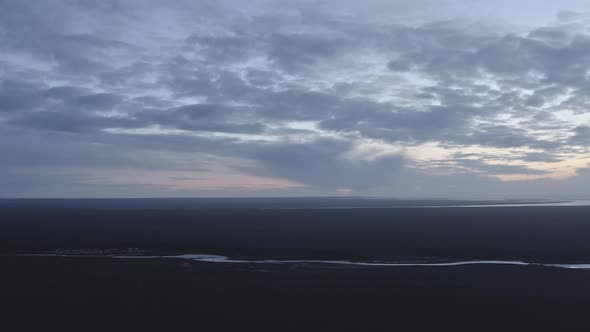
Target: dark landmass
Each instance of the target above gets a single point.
(138, 294)
(534, 234)
(110, 294)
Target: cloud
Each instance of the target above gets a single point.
(496, 169)
(72, 121)
(97, 101)
(299, 51)
(18, 95)
(323, 163)
(581, 135)
(540, 157)
(329, 96)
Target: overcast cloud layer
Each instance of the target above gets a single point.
(263, 98)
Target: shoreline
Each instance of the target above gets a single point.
(212, 258)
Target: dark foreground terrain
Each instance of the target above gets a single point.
(88, 290)
(110, 294)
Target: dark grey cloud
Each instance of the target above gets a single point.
(382, 121)
(18, 95)
(445, 50)
(540, 157)
(323, 163)
(496, 169)
(207, 117)
(73, 121)
(97, 101)
(506, 137)
(581, 135)
(225, 48)
(65, 92)
(300, 105)
(293, 52)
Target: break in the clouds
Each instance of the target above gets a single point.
(225, 98)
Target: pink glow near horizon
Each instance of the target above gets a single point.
(233, 182)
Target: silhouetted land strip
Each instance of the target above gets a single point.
(136, 294)
(536, 234)
(52, 291)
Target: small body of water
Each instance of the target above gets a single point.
(224, 259)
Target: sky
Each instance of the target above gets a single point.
(193, 98)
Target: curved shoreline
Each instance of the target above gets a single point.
(207, 258)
